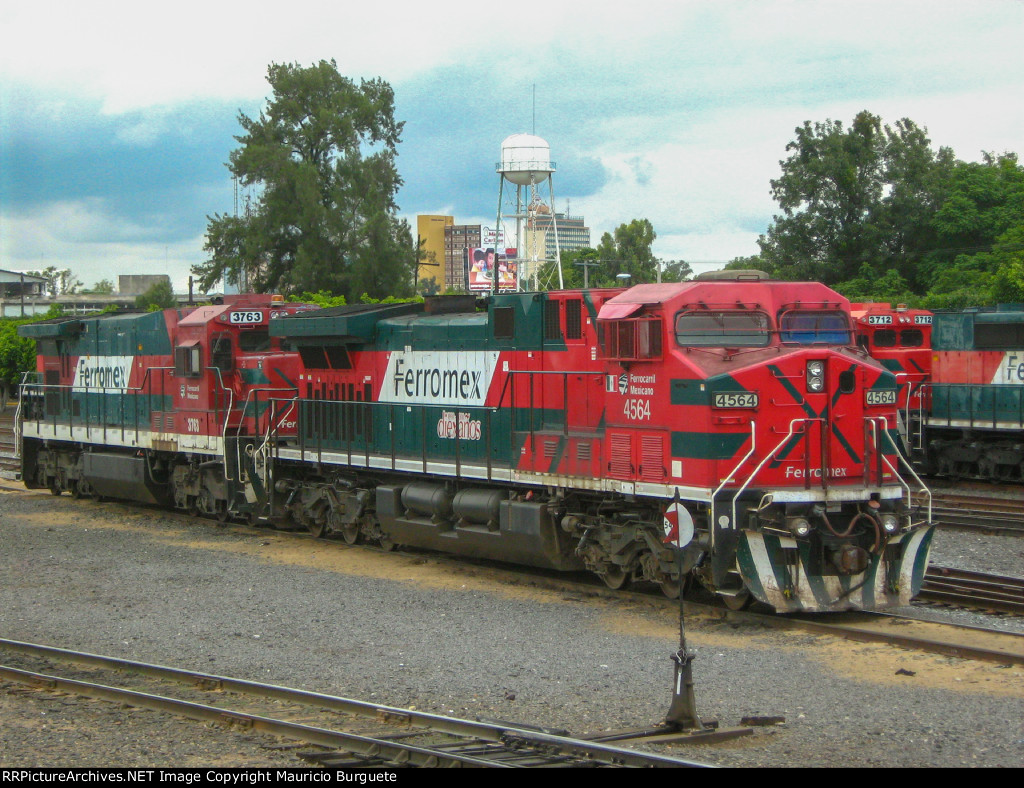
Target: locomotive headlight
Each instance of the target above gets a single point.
(798, 526)
(890, 523)
(815, 376)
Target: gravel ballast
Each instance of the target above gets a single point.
(411, 631)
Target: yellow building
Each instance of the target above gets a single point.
(430, 231)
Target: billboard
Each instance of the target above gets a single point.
(483, 265)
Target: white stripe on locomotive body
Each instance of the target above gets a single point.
(214, 444)
(517, 476)
(124, 438)
(979, 423)
(804, 593)
(1010, 371)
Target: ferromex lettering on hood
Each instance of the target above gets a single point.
(102, 372)
(437, 377)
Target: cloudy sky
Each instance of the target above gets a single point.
(116, 118)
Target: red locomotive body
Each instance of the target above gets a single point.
(900, 338)
(153, 396)
(727, 428)
(738, 412)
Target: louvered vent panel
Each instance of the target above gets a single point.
(620, 456)
(550, 447)
(584, 450)
(652, 458)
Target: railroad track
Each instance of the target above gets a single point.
(986, 513)
(973, 589)
(362, 734)
(987, 593)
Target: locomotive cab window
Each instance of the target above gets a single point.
(254, 341)
(814, 327)
(885, 337)
(911, 337)
(220, 353)
(722, 329)
(188, 361)
(631, 339)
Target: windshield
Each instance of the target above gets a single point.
(814, 327)
(722, 329)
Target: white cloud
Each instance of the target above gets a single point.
(93, 243)
(689, 106)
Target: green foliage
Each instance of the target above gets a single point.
(627, 252)
(158, 296)
(58, 281)
(752, 263)
(321, 298)
(676, 271)
(874, 211)
(322, 155)
(17, 356)
(366, 298)
(102, 287)
(891, 287)
(428, 286)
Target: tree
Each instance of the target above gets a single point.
(17, 356)
(853, 197)
(322, 156)
(159, 296)
(102, 287)
(58, 281)
(676, 271)
(628, 251)
(980, 204)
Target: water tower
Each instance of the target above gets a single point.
(526, 164)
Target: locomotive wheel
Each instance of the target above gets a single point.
(193, 505)
(740, 601)
(350, 533)
(54, 486)
(221, 511)
(615, 577)
(670, 588)
(317, 528)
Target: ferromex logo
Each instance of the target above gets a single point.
(102, 372)
(437, 377)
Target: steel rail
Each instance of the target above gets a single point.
(973, 589)
(364, 745)
(483, 731)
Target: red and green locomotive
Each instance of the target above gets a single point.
(734, 417)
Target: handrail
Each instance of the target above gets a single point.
(728, 477)
(874, 420)
(138, 390)
(272, 426)
(250, 396)
(767, 457)
(18, 413)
